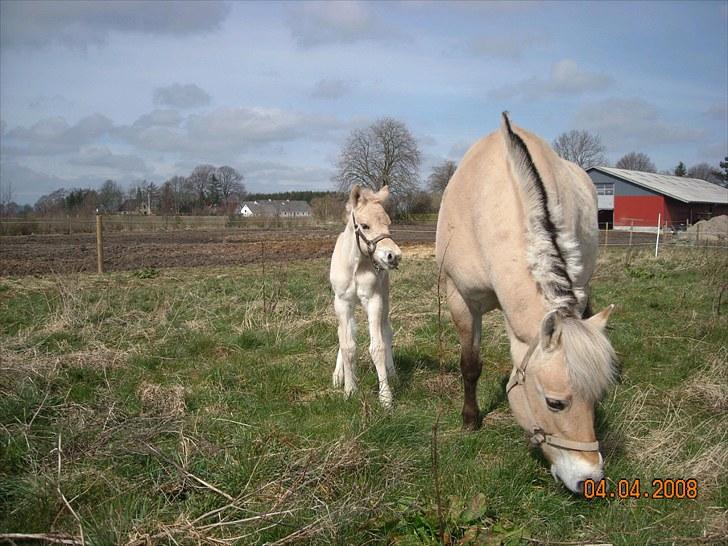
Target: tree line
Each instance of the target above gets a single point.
(384, 153)
(206, 190)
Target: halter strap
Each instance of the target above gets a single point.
(370, 243)
(538, 435)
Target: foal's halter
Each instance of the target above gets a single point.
(539, 435)
(371, 243)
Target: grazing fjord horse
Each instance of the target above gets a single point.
(517, 231)
(363, 254)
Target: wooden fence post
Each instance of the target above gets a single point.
(631, 228)
(99, 244)
(606, 234)
(657, 239)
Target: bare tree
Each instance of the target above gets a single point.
(441, 175)
(6, 192)
(385, 153)
(636, 161)
(231, 183)
(704, 171)
(581, 147)
(198, 182)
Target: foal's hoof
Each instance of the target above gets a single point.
(472, 422)
(338, 380)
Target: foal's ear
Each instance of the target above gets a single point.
(600, 319)
(550, 334)
(382, 195)
(354, 198)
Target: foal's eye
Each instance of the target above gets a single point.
(365, 226)
(557, 405)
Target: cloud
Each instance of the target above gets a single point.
(271, 176)
(181, 96)
(28, 185)
(159, 118)
(54, 135)
(79, 24)
(504, 46)
(631, 123)
(565, 79)
(49, 103)
(717, 111)
(233, 128)
(317, 23)
(105, 158)
(330, 89)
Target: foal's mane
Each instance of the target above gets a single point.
(553, 253)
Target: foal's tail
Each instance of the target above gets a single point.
(553, 254)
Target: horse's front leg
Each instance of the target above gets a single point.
(378, 349)
(345, 371)
(468, 325)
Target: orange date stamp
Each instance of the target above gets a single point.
(635, 489)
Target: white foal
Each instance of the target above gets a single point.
(363, 255)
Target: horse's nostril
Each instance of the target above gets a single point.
(580, 486)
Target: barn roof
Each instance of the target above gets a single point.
(687, 190)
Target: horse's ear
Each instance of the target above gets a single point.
(354, 198)
(550, 334)
(600, 319)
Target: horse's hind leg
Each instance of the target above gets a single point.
(468, 324)
(345, 371)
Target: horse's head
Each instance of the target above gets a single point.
(553, 392)
(371, 226)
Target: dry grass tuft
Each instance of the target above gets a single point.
(443, 384)
(709, 387)
(162, 400)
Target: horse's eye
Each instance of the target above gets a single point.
(557, 405)
(365, 226)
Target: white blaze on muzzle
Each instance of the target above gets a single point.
(371, 244)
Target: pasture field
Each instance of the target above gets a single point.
(194, 406)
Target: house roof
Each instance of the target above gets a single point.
(687, 190)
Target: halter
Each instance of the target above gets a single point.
(371, 243)
(539, 435)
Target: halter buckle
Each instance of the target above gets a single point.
(538, 437)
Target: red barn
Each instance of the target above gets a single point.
(637, 198)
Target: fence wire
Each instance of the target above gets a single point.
(200, 245)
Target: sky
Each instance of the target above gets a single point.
(135, 91)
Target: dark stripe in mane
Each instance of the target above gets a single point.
(558, 267)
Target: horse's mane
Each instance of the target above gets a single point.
(590, 358)
(553, 253)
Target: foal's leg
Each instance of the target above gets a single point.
(377, 346)
(387, 332)
(469, 326)
(345, 371)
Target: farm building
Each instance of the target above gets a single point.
(274, 208)
(635, 198)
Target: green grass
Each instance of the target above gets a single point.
(174, 392)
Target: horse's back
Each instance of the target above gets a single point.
(482, 234)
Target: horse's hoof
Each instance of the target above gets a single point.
(338, 380)
(472, 422)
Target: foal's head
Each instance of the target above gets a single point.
(570, 368)
(366, 210)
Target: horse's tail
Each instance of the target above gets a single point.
(553, 254)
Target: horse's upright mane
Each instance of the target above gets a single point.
(553, 253)
(590, 358)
